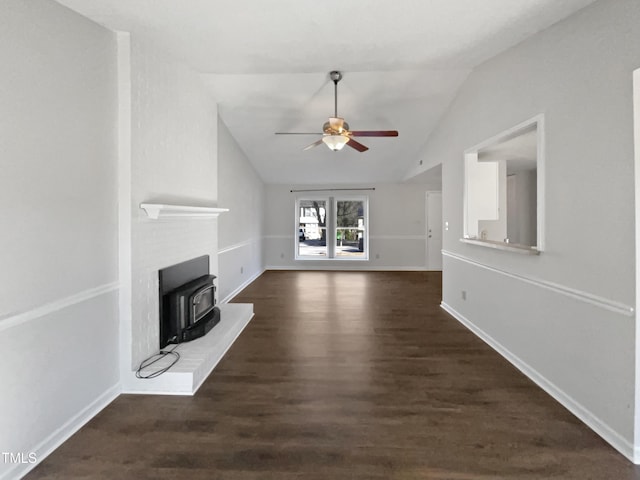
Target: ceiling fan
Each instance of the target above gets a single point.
(336, 131)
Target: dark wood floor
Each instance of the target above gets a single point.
(344, 375)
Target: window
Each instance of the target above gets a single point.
(332, 228)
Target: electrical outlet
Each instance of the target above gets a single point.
(464, 294)
(282, 255)
(377, 256)
(241, 270)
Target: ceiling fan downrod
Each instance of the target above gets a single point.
(336, 76)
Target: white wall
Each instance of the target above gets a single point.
(563, 316)
(396, 228)
(58, 218)
(241, 190)
(173, 161)
(522, 207)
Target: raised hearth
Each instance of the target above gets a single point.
(198, 357)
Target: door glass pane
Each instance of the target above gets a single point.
(312, 228)
(350, 228)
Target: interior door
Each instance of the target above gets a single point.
(434, 230)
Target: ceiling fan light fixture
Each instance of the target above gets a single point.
(335, 142)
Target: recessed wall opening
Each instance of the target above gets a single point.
(504, 188)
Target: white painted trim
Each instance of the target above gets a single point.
(371, 237)
(13, 319)
(428, 197)
(338, 268)
(128, 390)
(507, 247)
(601, 302)
(124, 200)
(236, 246)
(541, 162)
(157, 210)
(398, 237)
(636, 143)
(601, 428)
(242, 286)
(328, 215)
(62, 434)
(539, 121)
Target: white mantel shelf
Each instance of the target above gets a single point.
(158, 210)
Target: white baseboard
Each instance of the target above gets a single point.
(605, 431)
(62, 434)
(241, 287)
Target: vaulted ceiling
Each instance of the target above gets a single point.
(267, 65)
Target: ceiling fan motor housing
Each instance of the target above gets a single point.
(335, 125)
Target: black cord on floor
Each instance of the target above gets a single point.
(156, 357)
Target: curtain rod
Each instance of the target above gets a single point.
(331, 189)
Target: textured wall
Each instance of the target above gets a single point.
(241, 190)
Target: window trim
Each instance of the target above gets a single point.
(296, 220)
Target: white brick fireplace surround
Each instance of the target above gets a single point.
(178, 233)
(168, 156)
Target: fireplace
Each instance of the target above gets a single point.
(187, 301)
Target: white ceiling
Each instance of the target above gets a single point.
(267, 65)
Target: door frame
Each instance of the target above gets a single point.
(636, 143)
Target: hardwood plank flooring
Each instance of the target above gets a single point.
(344, 375)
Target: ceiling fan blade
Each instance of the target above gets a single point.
(357, 145)
(298, 133)
(375, 133)
(314, 144)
